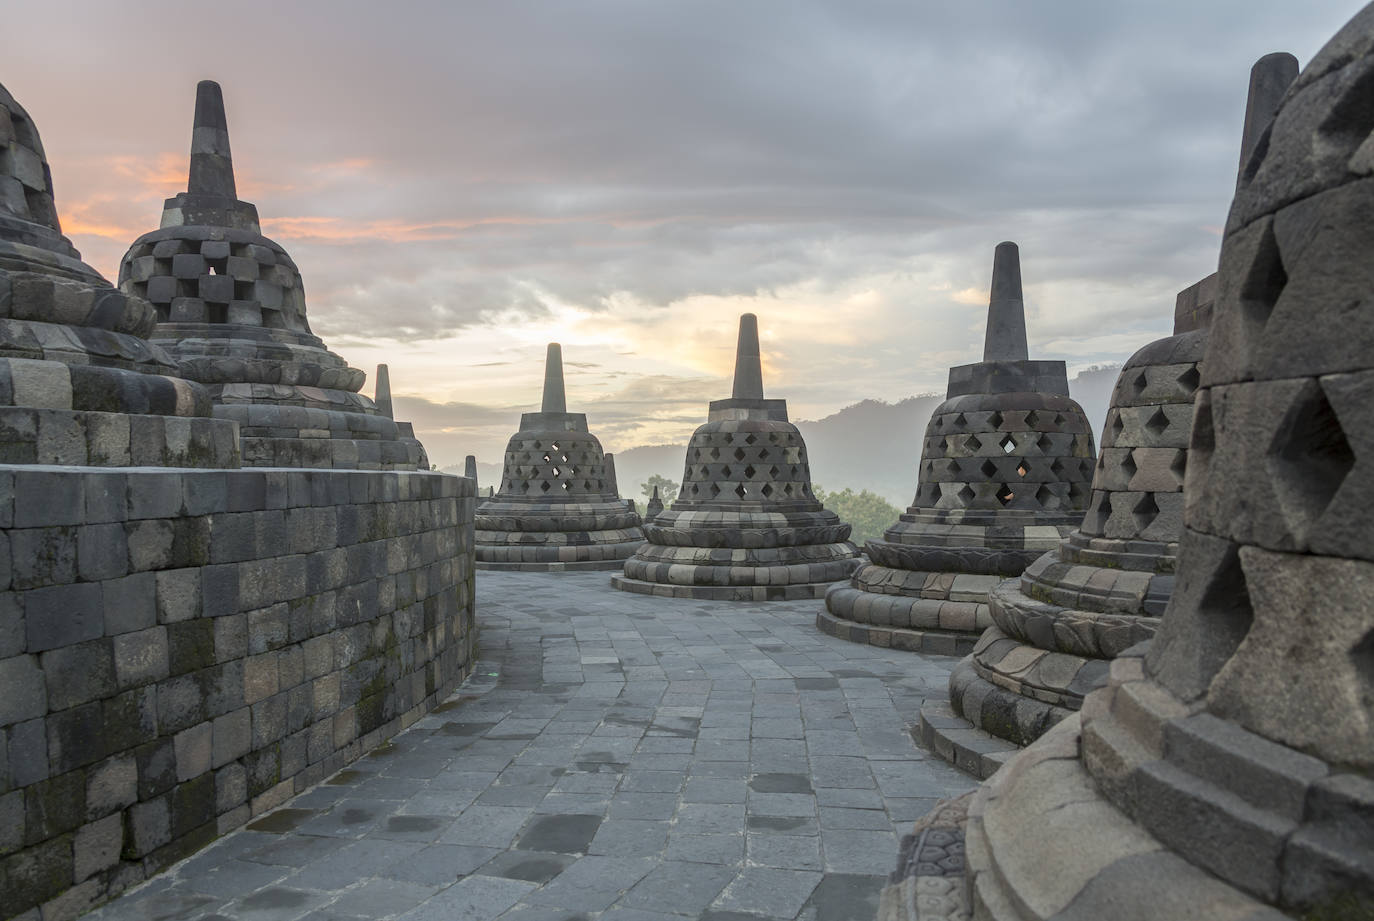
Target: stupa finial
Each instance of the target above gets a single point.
(1270, 78)
(748, 368)
(555, 398)
(1006, 334)
(383, 393)
(212, 167)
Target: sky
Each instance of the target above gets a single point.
(463, 182)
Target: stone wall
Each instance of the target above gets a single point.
(181, 650)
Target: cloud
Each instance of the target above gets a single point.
(466, 182)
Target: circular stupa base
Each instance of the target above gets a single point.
(930, 642)
(574, 566)
(800, 591)
(97, 439)
(332, 453)
(555, 557)
(1017, 708)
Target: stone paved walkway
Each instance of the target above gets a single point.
(616, 757)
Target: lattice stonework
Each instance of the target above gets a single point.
(551, 465)
(734, 465)
(241, 278)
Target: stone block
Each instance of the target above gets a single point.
(260, 677)
(101, 552)
(129, 603)
(269, 720)
(220, 590)
(141, 657)
(215, 289)
(43, 556)
(61, 615)
(231, 787)
(150, 544)
(97, 846)
(193, 751)
(28, 752)
(149, 826)
(47, 499)
(54, 806)
(23, 694)
(157, 768)
(130, 718)
(79, 673)
(191, 645)
(111, 785)
(233, 736)
(178, 595)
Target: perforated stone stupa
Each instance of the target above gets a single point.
(1004, 474)
(1103, 589)
(556, 508)
(1228, 772)
(80, 384)
(746, 525)
(230, 309)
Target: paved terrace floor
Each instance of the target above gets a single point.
(614, 757)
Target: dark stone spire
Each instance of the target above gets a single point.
(748, 368)
(555, 398)
(1006, 334)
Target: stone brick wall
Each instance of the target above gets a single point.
(181, 650)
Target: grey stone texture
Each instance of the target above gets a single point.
(229, 305)
(80, 382)
(1103, 589)
(745, 525)
(240, 635)
(557, 507)
(1227, 762)
(612, 756)
(1004, 475)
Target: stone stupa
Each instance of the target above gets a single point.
(1103, 589)
(80, 382)
(230, 309)
(1004, 475)
(1227, 769)
(745, 525)
(555, 508)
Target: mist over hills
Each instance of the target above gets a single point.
(870, 445)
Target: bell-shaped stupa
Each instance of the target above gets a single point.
(655, 505)
(745, 525)
(1227, 769)
(80, 384)
(1103, 589)
(1004, 475)
(231, 310)
(556, 508)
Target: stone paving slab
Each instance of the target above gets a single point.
(614, 757)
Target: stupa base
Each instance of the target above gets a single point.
(1042, 842)
(555, 557)
(959, 742)
(929, 642)
(798, 591)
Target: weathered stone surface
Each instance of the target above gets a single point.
(745, 525)
(1242, 745)
(557, 507)
(230, 306)
(1004, 475)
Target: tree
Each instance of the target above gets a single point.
(667, 489)
(867, 513)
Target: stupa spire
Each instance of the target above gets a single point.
(748, 368)
(212, 167)
(383, 393)
(1006, 334)
(1270, 78)
(555, 398)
